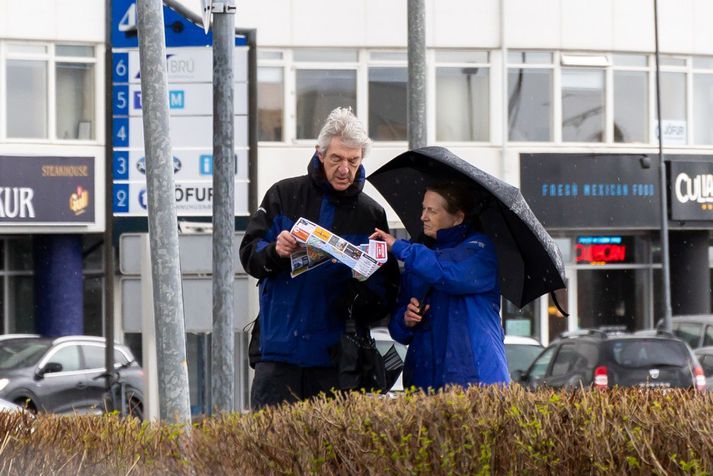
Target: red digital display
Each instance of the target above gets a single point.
(601, 253)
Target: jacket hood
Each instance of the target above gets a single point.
(316, 174)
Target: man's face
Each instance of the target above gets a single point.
(340, 164)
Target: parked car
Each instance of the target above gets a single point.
(594, 358)
(705, 357)
(695, 330)
(9, 407)
(520, 352)
(64, 375)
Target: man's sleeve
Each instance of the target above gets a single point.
(257, 250)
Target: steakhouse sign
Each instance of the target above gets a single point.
(42, 190)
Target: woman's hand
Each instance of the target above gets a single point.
(383, 236)
(413, 316)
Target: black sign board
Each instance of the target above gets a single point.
(592, 191)
(42, 190)
(691, 190)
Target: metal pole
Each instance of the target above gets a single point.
(162, 219)
(417, 131)
(666, 267)
(109, 220)
(223, 343)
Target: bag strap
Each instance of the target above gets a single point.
(350, 324)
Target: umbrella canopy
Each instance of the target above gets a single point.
(530, 263)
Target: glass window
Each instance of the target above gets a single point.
(702, 107)
(68, 357)
(93, 310)
(330, 55)
(530, 104)
(529, 57)
(582, 105)
(673, 96)
(387, 103)
(26, 48)
(631, 106)
(459, 56)
(77, 51)
(94, 357)
(26, 99)
(629, 60)
(269, 55)
(703, 62)
(21, 309)
(690, 333)
(75, 101)
(462, 104)
(319, 91)
(565, 360)
(388, 56)
(708, 336)
(270, 100)
(671, 61)
(539, 367)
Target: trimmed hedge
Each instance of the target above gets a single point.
(489, 430)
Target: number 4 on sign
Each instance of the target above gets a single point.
(128, 21)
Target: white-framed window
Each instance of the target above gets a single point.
(271, 96)
(530, 96)
(388, 97)
(462, 96)
(702, 100)
(48, 91)
(630, 98)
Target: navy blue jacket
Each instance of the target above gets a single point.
(302, 318)
(460, 338)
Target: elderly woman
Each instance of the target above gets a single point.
(449, 303)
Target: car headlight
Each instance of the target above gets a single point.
(3, 383)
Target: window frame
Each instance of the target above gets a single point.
(51, 60)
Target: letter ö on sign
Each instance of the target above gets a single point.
(16, 201)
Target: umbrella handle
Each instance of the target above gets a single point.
(557, 304)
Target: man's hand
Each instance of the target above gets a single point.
(413, 314)
(286, 244)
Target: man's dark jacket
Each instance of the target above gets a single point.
(301, 318)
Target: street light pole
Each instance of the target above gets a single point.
(665, 263)
(162, 217)
(417, 128)
(223, 337)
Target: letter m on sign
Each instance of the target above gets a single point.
(176, 99)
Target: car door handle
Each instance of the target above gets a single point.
(81, 386)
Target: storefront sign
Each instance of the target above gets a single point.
(42, 190)
(604, 249)
(691, 185)
(592, 191)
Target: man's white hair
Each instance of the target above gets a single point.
(342, 123)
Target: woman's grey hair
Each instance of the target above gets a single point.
(344, 124)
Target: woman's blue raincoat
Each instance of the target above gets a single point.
(460, 338)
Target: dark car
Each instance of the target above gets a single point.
(64, 375)
(695, 330)
(705, 357)
(594, 358)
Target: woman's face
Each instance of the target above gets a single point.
(435, 216)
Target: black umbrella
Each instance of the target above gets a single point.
(530, 262)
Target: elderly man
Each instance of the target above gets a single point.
(302, 318)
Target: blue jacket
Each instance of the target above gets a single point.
(460, 338)
(302, 318)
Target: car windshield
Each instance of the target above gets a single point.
(637, 353)
(520, 356)
(19, 353)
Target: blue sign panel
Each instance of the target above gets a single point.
(120, 196)
(179, 30)
(120, 165)
(120, 68)
(120, 102)
(120, 132)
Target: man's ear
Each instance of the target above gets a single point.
(319, 154)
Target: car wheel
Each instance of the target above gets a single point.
(135, 408)
(27, 404)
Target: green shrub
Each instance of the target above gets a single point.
(489, 430)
